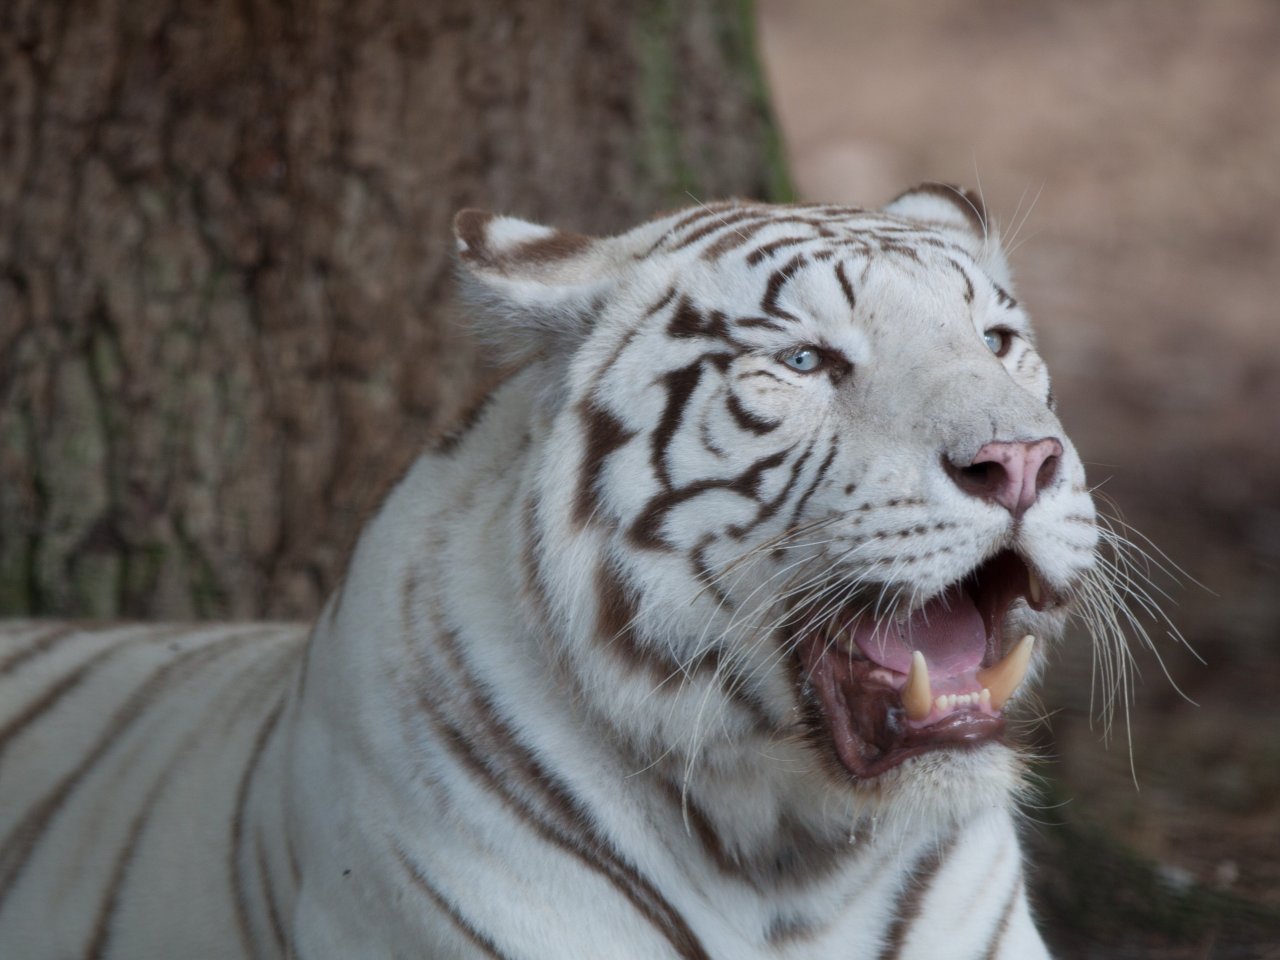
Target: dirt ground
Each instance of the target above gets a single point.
(1131, 153)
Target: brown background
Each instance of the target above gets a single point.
(225, 248)
(1131, 152)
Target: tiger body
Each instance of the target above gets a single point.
(593, 685)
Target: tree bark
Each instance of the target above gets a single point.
(225, 252)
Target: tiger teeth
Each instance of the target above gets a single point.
(1002, 679)
(998, 684)
(948, 702)
(917, 696)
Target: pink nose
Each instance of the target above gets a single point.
(1010, 472)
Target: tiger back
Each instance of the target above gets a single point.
(697, 639)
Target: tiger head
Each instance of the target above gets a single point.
(801, 504)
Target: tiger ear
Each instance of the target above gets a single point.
(961, 215)
(536, 289)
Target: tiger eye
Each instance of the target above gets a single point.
(998, 341)
(804, 360)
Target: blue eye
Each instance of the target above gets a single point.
(998, 341)
(804, 360)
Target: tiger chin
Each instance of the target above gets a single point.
(699, 638)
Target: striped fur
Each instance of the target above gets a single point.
(555, 710)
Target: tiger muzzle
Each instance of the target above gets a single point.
(883, 689)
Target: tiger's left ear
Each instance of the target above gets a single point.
(536, 289)
(960, 214)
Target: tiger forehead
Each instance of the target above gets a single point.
(829, 284)
(756, 233)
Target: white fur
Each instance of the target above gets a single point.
(464, 766)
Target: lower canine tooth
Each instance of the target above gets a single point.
(1034, 590)
(917, 697)
(1003, 678)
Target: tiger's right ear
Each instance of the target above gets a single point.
(536, 289)
(961, 214)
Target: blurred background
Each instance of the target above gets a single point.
(225, 324)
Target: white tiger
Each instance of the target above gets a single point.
(695, 642)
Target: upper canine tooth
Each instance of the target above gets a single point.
(917, 696)
(1004, 677)
(1034, 590)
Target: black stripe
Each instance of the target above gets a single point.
(605, 435)
(713, 846)
(662, 302)
(795, 856)
(701, 213)
(964, 275)
(269, 894)
(748, 420)
(766, 250)
(238, 895)
(895, 246)
(746, 232)
(680, 385)
(760, 373)
(760, 322)
(785, 929)
(102, 927)
(911, 900)
(18, 846)
(646, 529)
(100, 940)
(53, 694)
(465, 926)
(535, 588)
(615, 622)
(726, 222)
(688, 322)
(777, 280)
(623, 342)
(768, 508)
(562, 819)
(708, 442)
(737, 690)
(573, 833)
(845, 286)
(706, 576)
(838, 211)
(304, 656)
(734, 239)
(1006, 917)
(1002, 295)
(42, 644)
(817, 479)
(291, 855)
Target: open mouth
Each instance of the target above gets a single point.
(888, 689)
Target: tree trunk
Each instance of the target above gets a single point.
(225, 249)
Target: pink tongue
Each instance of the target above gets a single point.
(948, 630)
